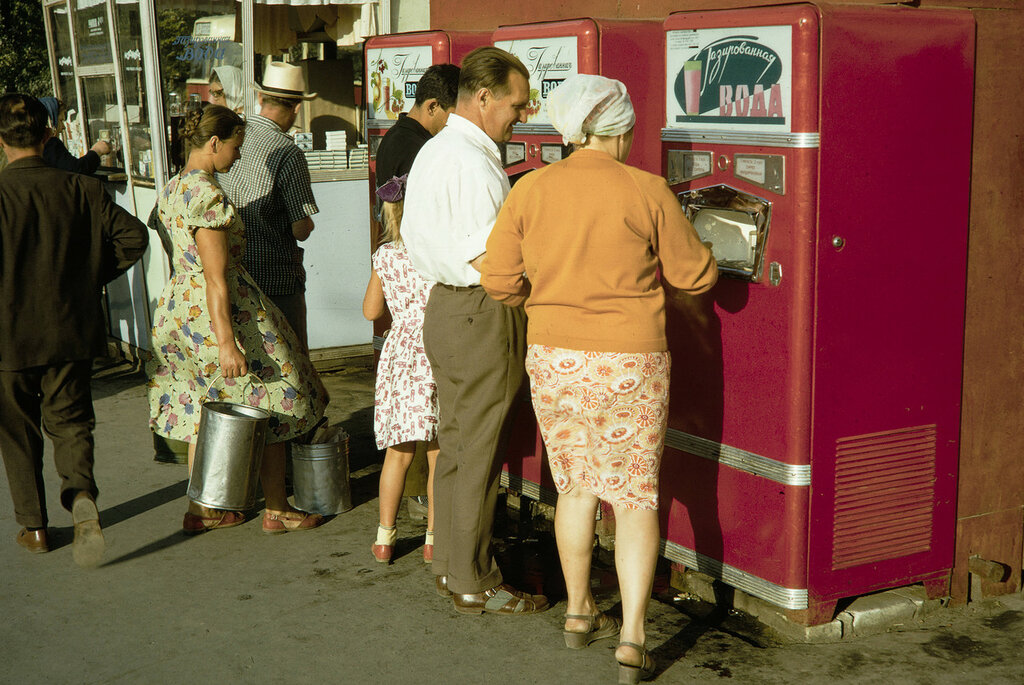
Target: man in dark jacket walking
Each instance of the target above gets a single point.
(61, 239)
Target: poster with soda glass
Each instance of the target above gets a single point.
(730, 79)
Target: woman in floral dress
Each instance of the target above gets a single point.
(215, 330)
(405, 396)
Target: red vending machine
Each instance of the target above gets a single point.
(627, 50)
(824, 151)
(394, 64)
(623, 49)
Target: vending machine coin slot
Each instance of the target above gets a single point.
(764, 171)
(734, 223)
(512, 153)
(553, 152)
(374, 140)
(687, 165)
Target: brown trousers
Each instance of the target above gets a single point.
(59, 397)
(476, 347)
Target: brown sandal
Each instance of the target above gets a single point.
(600, 626)
(193, 524)
(630, 674)
(290, 521)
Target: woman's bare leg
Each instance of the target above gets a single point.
(637, 537)
(272, 478)
(574, 533)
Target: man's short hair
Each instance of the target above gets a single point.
(284, 103)
(489, 67)
(440, 81)
(23, 120)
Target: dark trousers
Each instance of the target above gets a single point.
(294, 309)
(60, 398)
(476, 347)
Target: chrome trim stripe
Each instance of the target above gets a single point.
(787, 598)
(378, 342)
(529, 488)
(787, 474)
(380, 123)
(801, 140)
(534, 130)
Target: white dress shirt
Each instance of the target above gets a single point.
(455, 189)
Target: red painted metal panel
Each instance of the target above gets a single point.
(742, 353)
(895, 183)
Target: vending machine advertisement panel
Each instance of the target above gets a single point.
(815, 401)
(627, 50)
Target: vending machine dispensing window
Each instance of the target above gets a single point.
(735, 225)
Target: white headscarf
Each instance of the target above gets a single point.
(585, 103)
(231, 79)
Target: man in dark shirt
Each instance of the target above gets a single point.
(56, 154)
(61, 239)
(436, 92)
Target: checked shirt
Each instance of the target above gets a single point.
(270, 188)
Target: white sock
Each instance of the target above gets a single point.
(386, 535)
(430, 538)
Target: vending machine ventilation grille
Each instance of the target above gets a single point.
(884, 496)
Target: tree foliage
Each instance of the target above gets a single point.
(24, 65)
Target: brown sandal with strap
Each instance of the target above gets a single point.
(630, 674)
(290, 521)
(194, 524)
(599, 626)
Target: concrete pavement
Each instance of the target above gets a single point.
(238, 606)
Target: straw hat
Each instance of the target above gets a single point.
(284, 80)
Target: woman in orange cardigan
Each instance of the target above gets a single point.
(582, 242)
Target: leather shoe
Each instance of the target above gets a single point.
(441, 585)
(33, 540)
(88, 545)
(501, 599)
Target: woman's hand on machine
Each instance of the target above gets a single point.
(232, 361)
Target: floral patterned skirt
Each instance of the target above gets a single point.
(184, 365)
(603, 417)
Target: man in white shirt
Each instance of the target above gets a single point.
(475, 345)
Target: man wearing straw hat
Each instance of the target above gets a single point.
(271, 189)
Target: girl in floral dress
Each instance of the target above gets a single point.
(214, 329)
(405, 397)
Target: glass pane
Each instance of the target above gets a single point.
(62, 53)
(92, 32)
(129, 40)
(192, 44)
(101, 116)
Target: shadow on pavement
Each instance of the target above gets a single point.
(121, 512)
(175, 538)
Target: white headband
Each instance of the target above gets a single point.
(587, 104)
